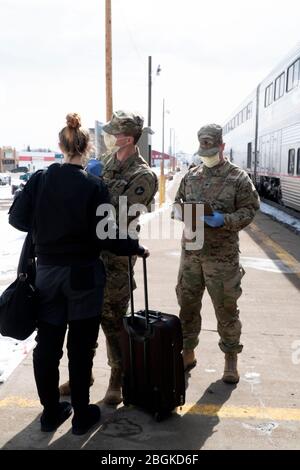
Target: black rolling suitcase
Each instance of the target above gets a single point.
(153, 375)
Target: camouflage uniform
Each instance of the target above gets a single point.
(132, 178)
(216, 265)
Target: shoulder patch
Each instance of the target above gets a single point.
(139, 190)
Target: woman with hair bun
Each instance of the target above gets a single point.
(70, 275)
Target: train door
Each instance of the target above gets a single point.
(249, 156)
(264, 153)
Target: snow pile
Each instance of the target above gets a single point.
(280, 216)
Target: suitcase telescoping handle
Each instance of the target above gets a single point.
(145, 289)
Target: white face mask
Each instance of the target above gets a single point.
(210, 162)
(110, 142)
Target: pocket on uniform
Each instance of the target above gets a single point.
(232, 283)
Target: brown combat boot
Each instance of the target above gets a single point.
(65, 389)
(113, 394)
(189, 360)
(231, 375)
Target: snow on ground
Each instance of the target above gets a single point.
(280, 216)
(5, 192)
(12, 352)
(10, 248)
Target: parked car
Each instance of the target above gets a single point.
(4, 179)
(26, 176)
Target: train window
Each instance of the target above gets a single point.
(279, 86)
(293, 75)
(245, 114)
(298, 162)
(241, 117)
(291, 162)
(249, 111)
(269, 95)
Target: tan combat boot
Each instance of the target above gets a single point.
(65, 389)
(189, 360)
(113, 394)
(231, 375)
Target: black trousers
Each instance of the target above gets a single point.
(82, 336)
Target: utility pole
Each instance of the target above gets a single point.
(171, 151)
(108, 60)
(162, 181)
(149, 104)
(174, 152)
(1, 161)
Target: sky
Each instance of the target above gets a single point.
(211, 55)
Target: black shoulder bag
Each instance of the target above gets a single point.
(19, 302)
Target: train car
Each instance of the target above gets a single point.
(262, 136)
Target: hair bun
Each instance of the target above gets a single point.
(73, 120)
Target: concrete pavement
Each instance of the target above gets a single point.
(261, 412)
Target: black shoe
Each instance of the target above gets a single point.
(82, 422)
(50, 420)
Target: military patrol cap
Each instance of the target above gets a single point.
(124, 122)
(210, 137)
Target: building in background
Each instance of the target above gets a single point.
(38, 159)
(8, 159)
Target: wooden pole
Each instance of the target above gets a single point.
(149, 104)
(108, 60)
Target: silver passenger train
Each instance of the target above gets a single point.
(263, 135)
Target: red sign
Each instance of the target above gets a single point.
(25, 159)
(159, 156)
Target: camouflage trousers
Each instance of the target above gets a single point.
(116, 300)
(223, 283)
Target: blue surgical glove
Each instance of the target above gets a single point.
(215, 220)
(94, 167)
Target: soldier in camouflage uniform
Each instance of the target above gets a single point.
(126, 173)
(215, 266)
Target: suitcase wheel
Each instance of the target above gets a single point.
(161, 415)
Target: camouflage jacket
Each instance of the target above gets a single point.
(132, 178)
(229, 190)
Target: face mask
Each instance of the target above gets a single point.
(210, 162)
(110, 143)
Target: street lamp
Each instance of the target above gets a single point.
(158, 70)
